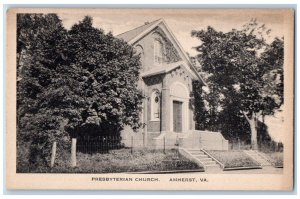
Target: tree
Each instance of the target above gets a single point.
(200, 112)
(243, 67)
(40, 121)
(108, 74)
(72, 80)
(107, 71)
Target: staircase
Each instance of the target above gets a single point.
(258, 157)
(205, 160)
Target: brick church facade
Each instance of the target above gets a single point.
(166, 81)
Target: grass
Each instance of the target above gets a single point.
(234, 159)
(276, 158)
(121, 161)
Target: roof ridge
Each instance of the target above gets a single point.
(139, 27)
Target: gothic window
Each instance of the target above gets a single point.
(140, 52)
(158, 52)
(155, 106)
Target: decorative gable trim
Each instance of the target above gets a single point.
(189, 66)
(171, 67)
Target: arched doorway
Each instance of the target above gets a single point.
(179, 109)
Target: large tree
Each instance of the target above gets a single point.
(73, 79)
(245, 72)
(108, 72)
(39, 40)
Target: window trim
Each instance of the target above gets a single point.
(161, 45)
(155, 94)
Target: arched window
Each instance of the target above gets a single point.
(155, 106)
(140, 52)
(158, 52)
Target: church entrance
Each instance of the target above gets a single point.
(177, 116)
(179, 110)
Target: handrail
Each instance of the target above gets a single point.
(209, 155)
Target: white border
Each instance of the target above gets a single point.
(123, 194)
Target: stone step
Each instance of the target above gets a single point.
(192, 149)
(209, 163)
(206, 159)
(212, 166)
(196, 153)
(201, 156)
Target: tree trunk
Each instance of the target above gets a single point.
(53, 154)
(253, 127)
(73, 152)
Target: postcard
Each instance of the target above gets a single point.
(150, 99)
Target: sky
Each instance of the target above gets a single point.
(182, 22)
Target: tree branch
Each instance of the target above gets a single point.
(245, 114)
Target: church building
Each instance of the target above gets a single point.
(166, 81)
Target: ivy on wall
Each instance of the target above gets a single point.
(170, 53)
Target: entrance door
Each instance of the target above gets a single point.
(177, 116)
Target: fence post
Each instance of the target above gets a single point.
(106, 144)
(53, 154)
(131, 144)
(164, 144)
(73, 152)
(200, 139)
(143, 139)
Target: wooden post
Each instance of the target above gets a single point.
(200, 140)
(143, 139)
(53, 154)
(73, 152)
(131, 144)
(164, 144)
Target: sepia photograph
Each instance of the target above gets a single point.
(150, 99)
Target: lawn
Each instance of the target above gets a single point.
(234, 159)
(122, 160)
(276, 159)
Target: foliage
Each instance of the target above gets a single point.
(107, 71)
(200, 112)
(171, 54)
(39, 116)
(68, 80)
(244, 75)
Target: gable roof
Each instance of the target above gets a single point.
(129, 35)
(134, 35)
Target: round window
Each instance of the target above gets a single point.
(156, 99)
